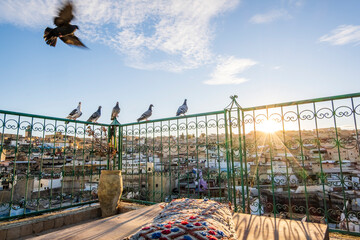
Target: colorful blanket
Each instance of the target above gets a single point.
(190, 219)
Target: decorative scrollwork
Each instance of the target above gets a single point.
(307, 115)
(343, 111)
(324, 113)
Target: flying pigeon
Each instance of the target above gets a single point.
(182, 109)
(64, 30)
(146, 114)
(95, 116)
(115, 112)
(75, 114)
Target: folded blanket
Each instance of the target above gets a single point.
(190, 219)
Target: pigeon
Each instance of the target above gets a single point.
(95, 116)
(182, 109)
(115, 112)
(75, 114)
(64, 30)
(146, 114)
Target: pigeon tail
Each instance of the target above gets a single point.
(49, 37)
(142, 118)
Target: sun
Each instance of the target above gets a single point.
(268, 126)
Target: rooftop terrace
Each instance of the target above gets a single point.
(274, 161)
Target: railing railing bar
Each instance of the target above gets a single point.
(315, 100)
(340, 165)
(48, 117)
(322, 175)
(304, 172)
(174, 118)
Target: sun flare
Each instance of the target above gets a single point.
(268, 126)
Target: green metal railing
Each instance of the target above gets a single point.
(48, 164)
(300, 160)
(296, 160)
(175, 157)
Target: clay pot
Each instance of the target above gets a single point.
(109, 192)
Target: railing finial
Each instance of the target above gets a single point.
(233, 97)
(233, 101)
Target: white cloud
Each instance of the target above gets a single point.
(296, 3)
(227, 71)
(162, 34)
(343, 34)
(277, 67)
(270, 16)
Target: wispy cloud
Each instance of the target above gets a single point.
(342, 35)
(270, 16)
(276, 68)
(296, 3)
(228, 69)
(154, 34)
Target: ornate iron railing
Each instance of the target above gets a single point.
(48, 164)
(176, 157)
(304, 161)
(296, 160)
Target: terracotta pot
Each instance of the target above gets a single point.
(109, 192)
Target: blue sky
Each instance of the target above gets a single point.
(163, 51)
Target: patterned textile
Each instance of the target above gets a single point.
(190, 219)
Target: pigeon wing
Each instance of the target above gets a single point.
(65, 15)
(95, 115)
(76, 115)
(145, 115)
(148, 113)
(115, 113)
(178, 111)
(72, 40)
(73, 112)
(182, 109)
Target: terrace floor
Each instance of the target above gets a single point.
(247, 226)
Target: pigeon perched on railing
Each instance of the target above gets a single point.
(182, 109)
(115, 112)
(64, 30)
(146, 114)
(95, 116)
(75, 114)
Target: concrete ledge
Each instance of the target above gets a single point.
(34, 225)
(114, 227)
